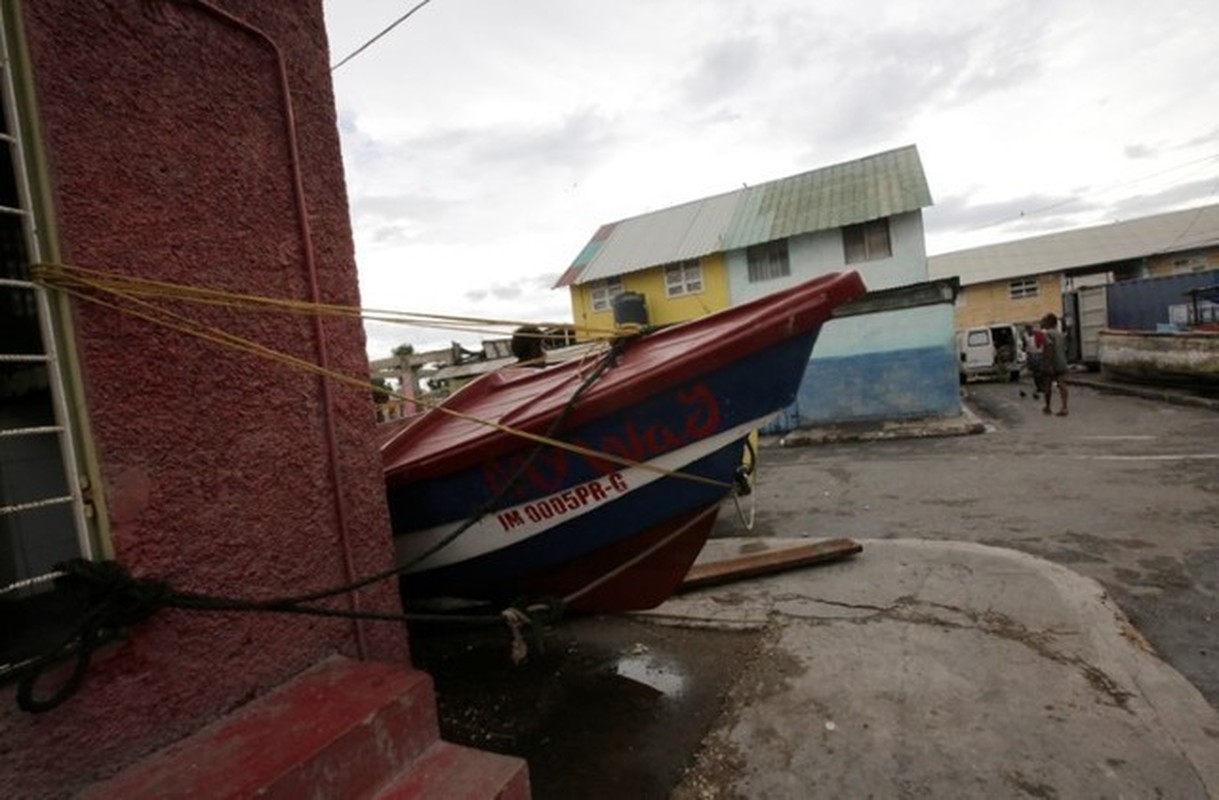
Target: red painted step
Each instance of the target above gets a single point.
(343, 729)
(452, 772)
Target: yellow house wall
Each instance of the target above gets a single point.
(662, 309)
(986, 303)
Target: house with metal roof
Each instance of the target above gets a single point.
(733, 247)
(691, 259)
(1020, 281)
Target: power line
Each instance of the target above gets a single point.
(373, 40)
(1100, 190)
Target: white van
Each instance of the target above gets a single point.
(990, 351)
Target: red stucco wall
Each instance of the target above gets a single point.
(164, 132)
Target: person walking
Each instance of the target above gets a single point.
(1053, 364)
(1034, 340)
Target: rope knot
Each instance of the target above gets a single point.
(107, 586)
(110, 599)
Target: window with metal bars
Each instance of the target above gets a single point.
(42, 514)
(868, 241)
(1022, 288)
(768, 261)
(684, 277)
(604, 292)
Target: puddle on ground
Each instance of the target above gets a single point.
(590, 705)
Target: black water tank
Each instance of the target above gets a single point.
(630, 308)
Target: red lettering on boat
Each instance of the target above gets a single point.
(703, 418)
(510, 519)
(560, 504)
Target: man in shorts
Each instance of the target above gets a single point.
(1033, 343)
(1053, 364)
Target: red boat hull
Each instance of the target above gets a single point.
(634, 573)
(611, 516)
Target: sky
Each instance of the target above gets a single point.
(485, 141)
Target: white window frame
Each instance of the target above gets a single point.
(604, 291)
(768, 262)
(867, 241)
(683, 278)
(1023, 288)
(13, 147)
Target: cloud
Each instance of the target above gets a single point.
(533, 288)
(721, 72)
(485, 141)
(498, 291)
(957, 222)
(1177, 196)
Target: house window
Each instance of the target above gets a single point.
(768, 261)
(1023, 287)
(684, 277)
(1182, 266)
(605, 291)
(42, 511)
(866, 242)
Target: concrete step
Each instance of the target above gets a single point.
(452, 772)
(343, 729)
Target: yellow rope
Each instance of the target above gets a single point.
(64, 275)
(161, 316)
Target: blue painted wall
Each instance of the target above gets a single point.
(890, 365)
(898, 364)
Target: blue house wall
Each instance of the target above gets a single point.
(896, 363)
(814, 254)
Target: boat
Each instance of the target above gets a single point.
(597, 481)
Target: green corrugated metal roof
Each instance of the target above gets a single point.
(832, 197)
(869, 188)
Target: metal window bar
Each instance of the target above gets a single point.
(27, 583)
(34, 505)
(12, 147)
(10, 433)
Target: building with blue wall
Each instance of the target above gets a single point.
(877, 360)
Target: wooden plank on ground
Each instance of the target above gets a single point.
(768, 562)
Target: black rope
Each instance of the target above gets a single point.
(114, 600)
(609, 360)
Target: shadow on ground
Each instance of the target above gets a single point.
(606, 707)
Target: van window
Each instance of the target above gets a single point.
(977, 338)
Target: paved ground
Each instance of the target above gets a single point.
(977, 647)
(1125, 491)
(944, 669)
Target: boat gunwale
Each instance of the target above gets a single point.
(749, 328)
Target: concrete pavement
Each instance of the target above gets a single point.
(942, 669)
(1174, 395)
(922, 667)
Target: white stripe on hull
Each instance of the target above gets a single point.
(506, 527)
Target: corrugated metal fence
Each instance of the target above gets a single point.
(1148, 304)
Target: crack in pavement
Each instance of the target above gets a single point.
(908, 608)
